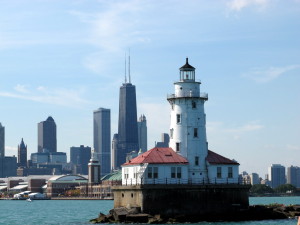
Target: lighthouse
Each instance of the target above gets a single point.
(94, 169)
(187, 125)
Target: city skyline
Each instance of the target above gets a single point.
(246, 54)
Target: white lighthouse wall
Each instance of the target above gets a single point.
(137, 174)
(191, 117)
(225, 178)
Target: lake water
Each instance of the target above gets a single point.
(79, 212)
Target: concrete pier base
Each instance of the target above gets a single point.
(188, 200)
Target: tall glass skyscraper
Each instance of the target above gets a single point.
(102, 139)
(47, 135)
(2, 141)
(127, 130)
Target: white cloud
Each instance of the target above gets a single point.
(251, 126)
(235, 132)
(63, 97)
(238, 5)
(10, 150)
(21, 88)
(266, 75)
(293, 147)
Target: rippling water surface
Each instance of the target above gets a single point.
(79, 212)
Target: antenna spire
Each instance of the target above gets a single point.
(129, 67)
(125, 69)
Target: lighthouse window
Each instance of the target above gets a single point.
(219, 172)
(171, 133)
(126, 173)
(193, 104)
(178, 119)
(149, 172)
(196, 161)
(155, 172)
(230, 172)
(173, 172)
(178, 172)
(177, 147)
(195, 132)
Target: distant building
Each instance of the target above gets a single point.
(142, 133)
(102, 139)
(94, 170)
(39, 157)
(47, 135)
(254, 177)
(276, 175)
(164, 143)
(2, 141)
(22, 154)
(127, 138)
(58, 157)
(293, 176)
(114, 151)
(8, 166)
(80, 157)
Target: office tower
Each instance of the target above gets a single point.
(276, 175)
(8, 166)
(22, 154)
(102, 139)
(80, 157)
(47, 135)
(2, 141)
(142, 133)
(254, 178)
(127, 130)
(164, 143)
(293, 176)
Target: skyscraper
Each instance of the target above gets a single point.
(293, 176)
(127, 138)
(22, 154)
(164, 143)
(2, 141)
(127, 130)
(80, 157)
(276, 175)
(142, 133)
(47, 135)
(102, 139)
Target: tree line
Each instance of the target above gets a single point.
(281, 189)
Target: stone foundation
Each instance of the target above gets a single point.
(188, 200)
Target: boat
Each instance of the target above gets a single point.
(28, 200)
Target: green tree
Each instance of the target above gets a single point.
(261, 189)
(284, 188)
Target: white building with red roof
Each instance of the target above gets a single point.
(188, 159)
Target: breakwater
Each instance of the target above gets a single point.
(255, 212)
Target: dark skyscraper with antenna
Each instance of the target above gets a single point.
(127, 129)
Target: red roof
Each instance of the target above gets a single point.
(214, 158)
(158, 156)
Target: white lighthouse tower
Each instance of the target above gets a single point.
(188, 123)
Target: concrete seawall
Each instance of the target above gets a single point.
(170, 200)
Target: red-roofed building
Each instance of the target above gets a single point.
(157, 165)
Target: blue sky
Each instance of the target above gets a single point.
(66, 58)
